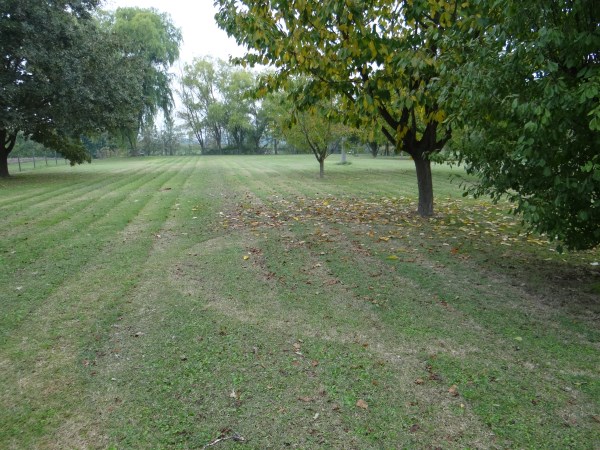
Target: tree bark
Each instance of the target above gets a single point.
(7, 143)
(3, 163)
(321, 168)
(424, 181)
(374, 148)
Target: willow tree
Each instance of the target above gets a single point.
(151, 37)
(381, 56)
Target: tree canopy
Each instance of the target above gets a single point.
(62, 76)
(528, 98)
(151, 37)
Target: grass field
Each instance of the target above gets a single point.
(242, 302)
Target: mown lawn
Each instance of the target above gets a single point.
(173, 302)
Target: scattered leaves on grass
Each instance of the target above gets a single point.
(362, 404)
(453, 391)
(225, 435)
(480, 223)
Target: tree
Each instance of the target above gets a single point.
(527, 97)
(276, 112)
(62, 76)
(219, 103)
(236, 87)
(382, 57)
(259, 118)
(170, 137)
(201, 98)
(316, 129)
(152, 38)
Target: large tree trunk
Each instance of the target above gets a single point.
(423, 166)
(3, 163)
(7, 143)
(374, 148)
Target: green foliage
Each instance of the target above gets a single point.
(63, 76)
(149, 37)
(528, 97)
(220, 105)
(317, 129)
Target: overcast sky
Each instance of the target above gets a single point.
(195, 18)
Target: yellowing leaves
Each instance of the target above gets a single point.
(373, 49)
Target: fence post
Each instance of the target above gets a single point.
(19, 161)
(34, 158)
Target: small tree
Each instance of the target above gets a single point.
(316, 129)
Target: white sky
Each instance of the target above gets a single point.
(195, 18)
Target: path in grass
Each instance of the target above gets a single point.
(167, 302)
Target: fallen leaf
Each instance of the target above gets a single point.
(392, 257)
(415, 428)
(362, 404)
(246, 257)
(453, 390)
(305, 399)
(419, 381)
